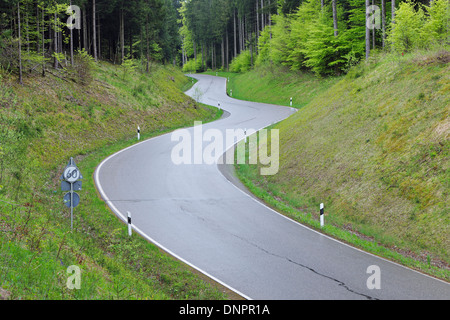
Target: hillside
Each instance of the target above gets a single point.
(374, 148)
(45, 122)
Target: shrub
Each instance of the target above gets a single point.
(193, 65)
(436, 30)
(242, 63)
(83, 67)
(405, 34)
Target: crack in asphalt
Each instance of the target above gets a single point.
(340, 283)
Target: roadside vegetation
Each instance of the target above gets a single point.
(374, 148)
(371, 137)
(43, 123)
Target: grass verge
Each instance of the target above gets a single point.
(44, 123)
(374, 148)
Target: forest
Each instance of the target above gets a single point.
(323, 36)
(37, 33)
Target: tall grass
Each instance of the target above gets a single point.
(374, 148)
(51, 120)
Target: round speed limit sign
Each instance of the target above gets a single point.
(71, 174)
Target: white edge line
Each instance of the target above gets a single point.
(121, 216)
(313, 230)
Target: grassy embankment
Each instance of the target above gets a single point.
(373, 146)
(43, 124)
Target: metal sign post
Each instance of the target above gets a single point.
(70, 182)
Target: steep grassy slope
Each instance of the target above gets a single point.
(43, 124)
(276, 85)
(374, 148)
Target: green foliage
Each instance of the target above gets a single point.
(279, 44)
(323, 51)
(405, 34)
(300, 30)
(193, 65)
(263, 47)
(44, 123)
(84, 67)
(242, 62)
(415, 29)
(396, 150)
(436, 28)
(128, 66)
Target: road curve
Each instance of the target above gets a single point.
(196, 214)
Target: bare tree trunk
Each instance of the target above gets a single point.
(38, 47)
(147, 44)
(235, 39)
(203, 57)
(240, 34)
(71, 42)
(228, 51)
(373, 33)
(99, 48)
(27, 32)
(122, 37)
(257, 22)
(195, 49)
(20, 44)
(55, 43)
(262, 15)
(367, 31)
(43, 42)
(94, 31)
(335, 24)
(85, 40)
(383, 21)
(393, 11)
(223, 53)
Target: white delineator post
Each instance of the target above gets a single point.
(291, 102)
(139, 133)
(321, 215)
(129, 223)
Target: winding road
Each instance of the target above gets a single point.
(199, 214)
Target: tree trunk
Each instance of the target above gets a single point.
(227, 52)
(367, 31)
(71, 41)
(38, 33)
(43, 42)
(85, 39)
(235, 39)
(99, 48)
(20, 44)
(94, 31)
(383, 21)
(335, 24)
(373, 33)
(122, 37)
(393, 11)
(257, 21)
(55, 43)
(147, 44)
(195, 50)
(262, 15)
(223, 53)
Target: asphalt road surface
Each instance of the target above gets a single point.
(195, 213)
